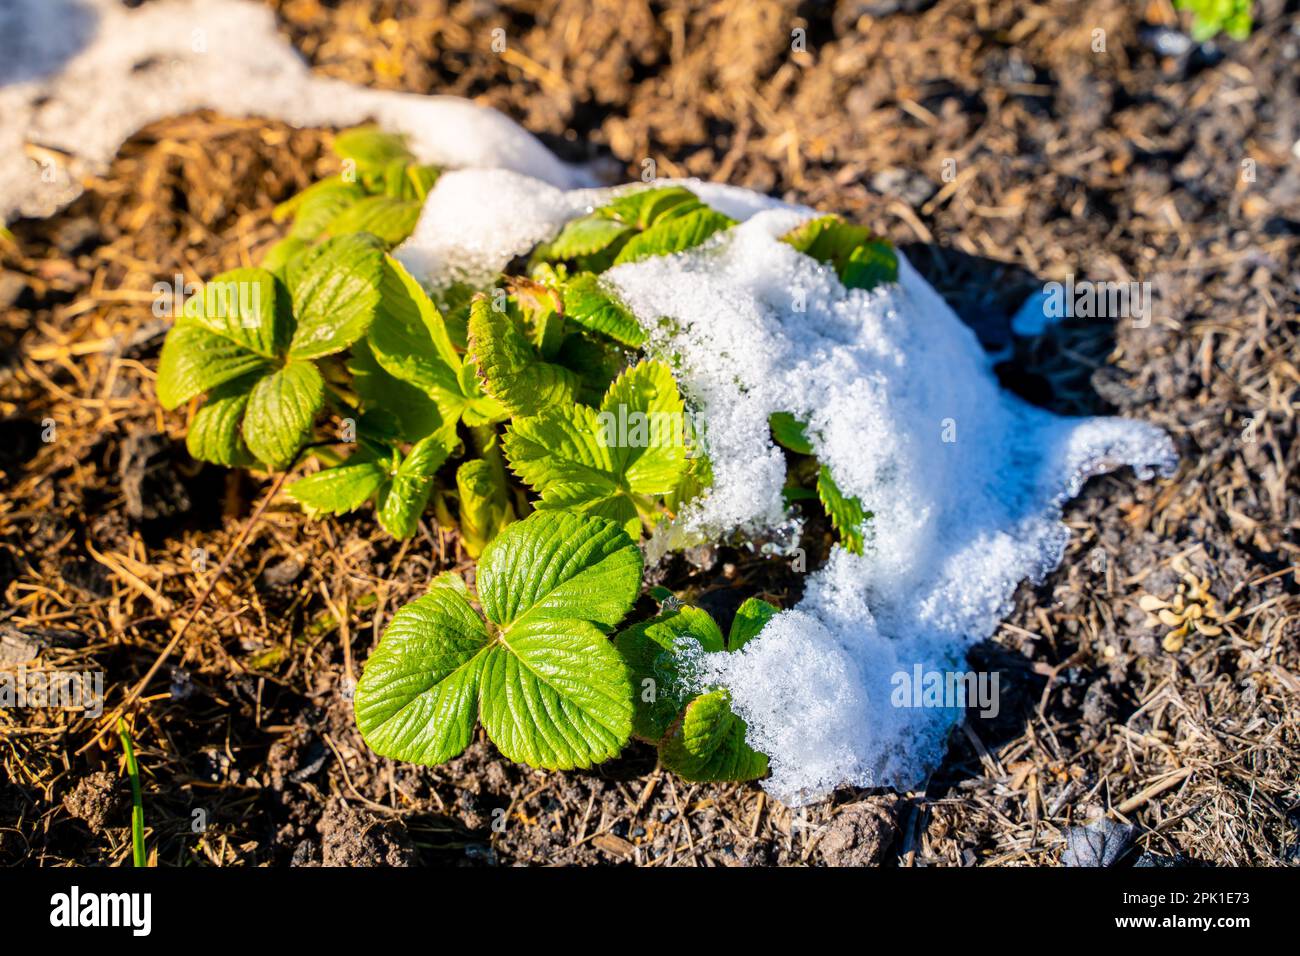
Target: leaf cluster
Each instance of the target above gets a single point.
(534, 417)
(379, 190)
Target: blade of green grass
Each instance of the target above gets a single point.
(137, 801)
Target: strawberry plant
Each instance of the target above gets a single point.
(535, 668)
(379, 191)
(253, 341)
(535, 417)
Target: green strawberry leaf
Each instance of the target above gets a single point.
(560, 455)
(214, 433)
(555, 694)
(643, 424)
(342, 488)
(699, 736)
(633, 226)
(281, 409)
(593, 307)
(400, 485)
(846, 512)
(790, 433)
(386, 202)
(317, 206)
(751, 617)
(1210, 17)
(861, 260)
(871, 264)
(416, 413)
(593, 241)
(389, 218)
(674, 234)
(243, 306)
(583, 237)
(291, 206)
(827, 238)
(335, 289)
(403, 499)
(610, 462)
(662, 653)
(558, 565)
(418, 696)
(548, 687)
(511, 369)
(371, 148)
(195, 360)
(709, 745)
(410, 339)
(642, 208)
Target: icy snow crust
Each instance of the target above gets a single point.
(883, 377)
(965, 480)
(80, 76)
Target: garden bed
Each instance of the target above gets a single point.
(1127, 167)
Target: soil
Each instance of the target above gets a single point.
(97, 800)
(995, 143)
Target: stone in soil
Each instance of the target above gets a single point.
(860, 835)
(98, 800)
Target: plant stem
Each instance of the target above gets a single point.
(137, 801)
(343, 400)
(488, 444)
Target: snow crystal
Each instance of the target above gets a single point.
(78, 77)
(965, 481)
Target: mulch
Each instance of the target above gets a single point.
(994, 143)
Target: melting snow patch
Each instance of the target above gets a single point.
(965, 480)
(80, 76)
